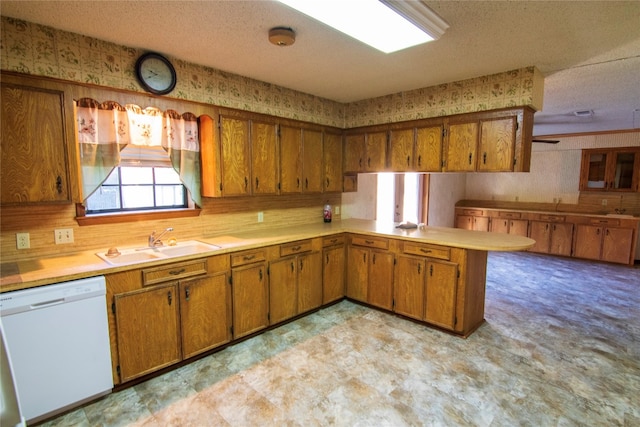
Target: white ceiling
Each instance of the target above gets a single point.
(589, 51)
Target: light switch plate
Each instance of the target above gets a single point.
(63, 235)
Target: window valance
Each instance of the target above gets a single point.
(104, 129)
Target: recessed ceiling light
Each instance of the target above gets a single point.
(387, 25)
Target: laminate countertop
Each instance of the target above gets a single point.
(30, 273)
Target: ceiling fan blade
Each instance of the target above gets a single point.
(546, 141)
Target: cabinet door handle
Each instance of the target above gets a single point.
(169, 297)
(431, 270)
(327, 182)
(257, 183)
(546, 227)
(176, 272)
(598, 231)
(327, 257)
(187, 293)
(470, 157)
(364, 257)
(484, 158)
(419, 160)
(260, 274)
(59, 184)
(419, 268)
(554, 227)
(292, 267)
(408, 160)
(297, 182)
(301, 265)
(374, 259)
(360, 163)
(246, 182)
(306, 183)
(607, 231)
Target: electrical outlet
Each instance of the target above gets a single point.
(604, 202)
(260, 216)
(22, 241)
(63, 235)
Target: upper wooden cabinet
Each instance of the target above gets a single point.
(264, 158)
(401, 150)
(301, 163)
(312, 161)
(496, 141)
(37, 134)
(614, 169)
(428, 150)
(332, 156)
(235, 156)
(365, 152)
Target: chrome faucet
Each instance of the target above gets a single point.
(154, 241)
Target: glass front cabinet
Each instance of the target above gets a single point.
(613, 169)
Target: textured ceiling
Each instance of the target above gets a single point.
(589, 51)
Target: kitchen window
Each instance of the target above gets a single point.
(402, 197)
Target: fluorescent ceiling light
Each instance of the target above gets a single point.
(387, 25)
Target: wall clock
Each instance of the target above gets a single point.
(156, 73)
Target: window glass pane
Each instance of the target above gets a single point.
(104, 198)
(113, 178)
(169, 195)
(386, 198)
(411, 197)
(137, 196)
(167, 176)
(133, 175)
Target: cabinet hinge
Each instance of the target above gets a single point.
(517, 125)
(113, 307)
(444, 132)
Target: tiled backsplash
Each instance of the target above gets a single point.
(40, 50)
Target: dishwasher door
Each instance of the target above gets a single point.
(58, 341)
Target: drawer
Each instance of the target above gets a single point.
(333, 240)
(371, 242)
(180, 270)
(552, 218)
(512, 215)
(295, 248)
(431, 251)
(248, 257)
(604, 221)
(474, 212)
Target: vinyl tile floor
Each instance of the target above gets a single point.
(560, 347)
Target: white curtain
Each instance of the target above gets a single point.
(104, 129)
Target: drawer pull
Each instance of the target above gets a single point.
(248, 257)
(296, 248)
(187, 293)
(426, 251)
(369, 242)
(169, 297)
(176, 272)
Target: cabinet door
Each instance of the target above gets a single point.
(312, 167)
(519, 227)
(250, 299)
(561, 239)
(309, 281)
(616, 245)
(33, 145)
(333, 271)
(283, 290)
(264, 158)
(462, 142)
(409, 287)
(625, 170)
(428, 156)
(540, 231)
(376, 149)
(354, 153)
(290, 160)
(380, 292)
(147, 330)
(205, 314)
(441, 294)
(332, 153)
(499, 225)
(236, 164)
(481, 223)
(357, 273)
(588, 241)
(464, 221)
(401, 145)
(497, 144)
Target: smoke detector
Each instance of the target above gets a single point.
(282, 36)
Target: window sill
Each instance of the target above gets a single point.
(136, 216)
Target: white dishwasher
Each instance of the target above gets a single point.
(58, 341)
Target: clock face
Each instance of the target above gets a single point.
(156, 73)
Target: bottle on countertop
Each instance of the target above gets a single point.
(327, 213)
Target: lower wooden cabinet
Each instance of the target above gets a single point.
(551, 237)
(472, 219)
(250, 292)
(370, 272)
(333, 269)
(603, 243)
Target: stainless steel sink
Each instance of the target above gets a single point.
(135, 255)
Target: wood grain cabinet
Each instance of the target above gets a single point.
(472, 219)
(370, 272)
(416, 149)
(332, 155)
(612, 169)
(165, 314)
(37, 134)
(301, 160)
(250, 292)
(295, 281)
(428, 154)
(264, 158)
(604, 240)
(333, 269)
(235, 156)
(365, 152)
(552, 235)
(509, 223)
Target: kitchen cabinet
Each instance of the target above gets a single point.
(496, 141)
(428, 155)
(552, 235)
(604, 240)
(332, 155)
(370, 271)
(295, 281)
(612, 169)
(426, 284)
(162, 315)
(510, 223)
(37, 136)
(401, 150)
(301, 166)
(264, 158)
(365, 152)
(333, 269)
(472, 219)
(250, 292)
(235, 165)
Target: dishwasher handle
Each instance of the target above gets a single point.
(47, 303)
